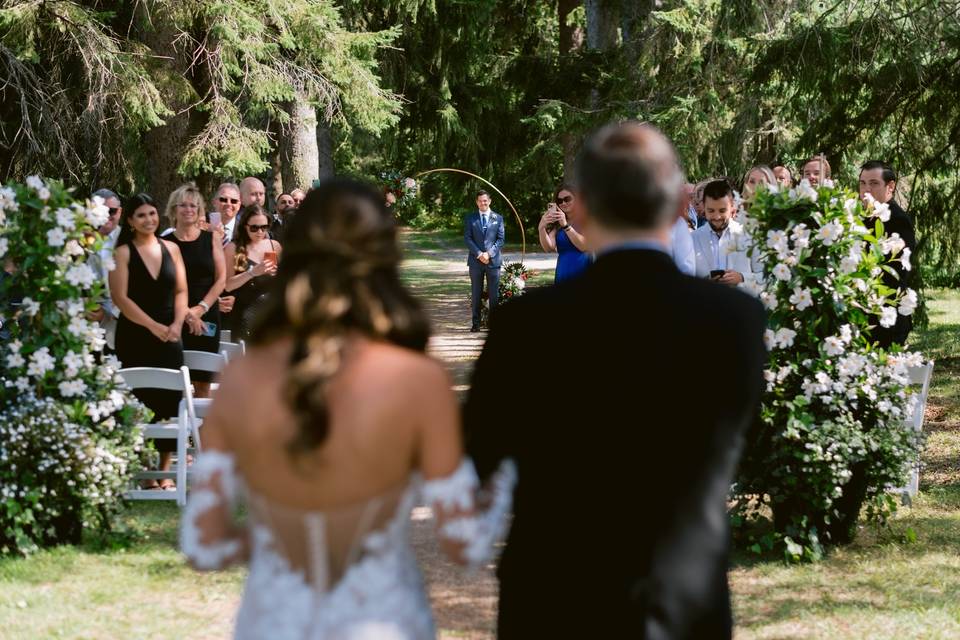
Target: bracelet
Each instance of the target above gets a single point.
(567, 228)
(203, 304)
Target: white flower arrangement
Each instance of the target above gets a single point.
(70, 419)
(832, 432)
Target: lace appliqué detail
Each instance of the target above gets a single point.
(211, 467)
(455, 499)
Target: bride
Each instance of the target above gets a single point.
(328, 432)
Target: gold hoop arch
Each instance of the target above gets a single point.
(523, 236)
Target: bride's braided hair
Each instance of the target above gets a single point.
(339, 276)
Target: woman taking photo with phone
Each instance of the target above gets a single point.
(202, 253)
(149, 286)
(558, 234)
(252, 258)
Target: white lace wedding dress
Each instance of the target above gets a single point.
(344, 574)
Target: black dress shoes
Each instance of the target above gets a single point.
(474, 329)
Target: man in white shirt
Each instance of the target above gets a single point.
(227, 202)
(720, 245)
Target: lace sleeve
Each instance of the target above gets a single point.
(208, 535)
(471, 519)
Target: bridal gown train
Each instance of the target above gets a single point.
(346, 573)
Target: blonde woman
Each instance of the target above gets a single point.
(760, 174)
(202, 253)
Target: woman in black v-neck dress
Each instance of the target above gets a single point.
(152, 308)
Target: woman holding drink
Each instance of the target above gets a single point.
(251, 260)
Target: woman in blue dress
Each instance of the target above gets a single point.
(557, 233)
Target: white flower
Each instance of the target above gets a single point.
(893, 244)
(30, 306)
(833, 346)
(784, 337)
(56, 237)
(41, 362)
(15, 346)
(830, 233)
(804, 190)
(69, 388)
(73, 248)
(882, 211)
(81, 275)
(66, 218)
(4, 245)
(846, 333)
(908, 303)
(35, 183)
(73, 363)
(77, 326)
(801, 236)
(850, 263)
(781, 272)
(904, 258)
(23, 384)
(801, 298)
(888, 317)
(776, 240)
(850, 205)
(770, 339)
(520, 282)
(97, 212)
(8, 199)
(860, 285)
(15, 361)
(768, 299)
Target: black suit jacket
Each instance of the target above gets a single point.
(620, 526)
(901, 223)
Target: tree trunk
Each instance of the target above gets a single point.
(325, 148)
(165, 145)
(603, 20)
(299, 155)
(571, 39)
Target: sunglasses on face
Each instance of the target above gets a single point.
(112, 211)
(230, 200)
(565, 200)
(253, 228)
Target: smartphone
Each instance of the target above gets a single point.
(214, 218)
(209, 328)
(270, 256)
(716, 273)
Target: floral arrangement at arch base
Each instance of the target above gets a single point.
(513, 282)
(68, 438)
(398, 190)
(833, 432)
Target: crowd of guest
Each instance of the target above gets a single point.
(710, 218)
(183, 277)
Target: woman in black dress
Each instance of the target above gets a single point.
(252, 260)
(202, 253)
(149, 286)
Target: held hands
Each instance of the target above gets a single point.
(173, 332)
(484, 257)
(194, 320)
(226, 303)
(159, 331)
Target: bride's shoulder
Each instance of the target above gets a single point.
(399, 364)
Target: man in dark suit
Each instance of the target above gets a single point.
(483, 232)
(620, 527)
(880, 180)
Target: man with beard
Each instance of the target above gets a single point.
(717, 244)
(286, 207)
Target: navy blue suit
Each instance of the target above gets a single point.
(480, 240)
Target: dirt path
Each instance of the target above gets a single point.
(435, 269)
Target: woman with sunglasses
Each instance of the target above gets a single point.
(251, 259)
(558, 234)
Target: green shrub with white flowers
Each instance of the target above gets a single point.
(68, 442)
(833, 433)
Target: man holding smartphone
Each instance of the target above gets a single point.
(717, 243)
(483, 233)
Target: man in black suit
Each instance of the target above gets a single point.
(880, 180)
(483, 234)
(620, 527)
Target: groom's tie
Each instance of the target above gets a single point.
(483, 222)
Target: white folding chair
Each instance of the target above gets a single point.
(232, 349)
(179, 430)
(919, 377)
(204, 361)
(225, 335)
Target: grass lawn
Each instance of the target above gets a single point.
(902, 581)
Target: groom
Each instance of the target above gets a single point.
(620, 527)
(483, 233)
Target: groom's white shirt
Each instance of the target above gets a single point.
(727, 251)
